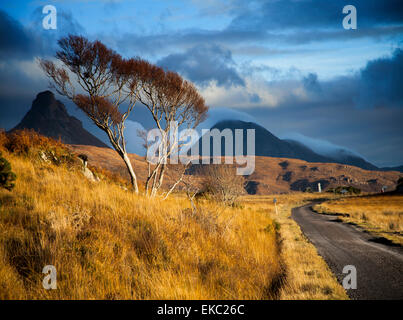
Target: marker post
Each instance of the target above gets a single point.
(275, 205)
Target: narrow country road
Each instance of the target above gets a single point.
(379, 267)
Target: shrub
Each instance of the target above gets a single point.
(222, 183)
(29, 143)
(3, 139)
(23, 142)
(7, 177)
(284, 164)
(309, 190)
(345, 190)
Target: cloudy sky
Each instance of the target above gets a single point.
(288, 65)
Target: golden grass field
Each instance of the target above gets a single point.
(108, 243)
(382, 215)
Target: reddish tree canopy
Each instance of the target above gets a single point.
(106, 87)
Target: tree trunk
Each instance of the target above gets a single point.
(157, 182)
(133, 178)
(161, 177)
(151, 177)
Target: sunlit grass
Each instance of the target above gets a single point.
(107, 243)
(307, 274)
(381, 215)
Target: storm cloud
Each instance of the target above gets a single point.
(204, 63)
(255, 24)
(16, 41)
(291, 14)
(381, 82)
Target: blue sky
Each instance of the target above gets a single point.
(288, 64)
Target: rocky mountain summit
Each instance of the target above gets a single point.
(50, 118)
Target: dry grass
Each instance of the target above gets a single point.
(107, 243)
(380, 215)
(307, 274)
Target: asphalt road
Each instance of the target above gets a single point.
(379, 266)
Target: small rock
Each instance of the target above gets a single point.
(90, 175)
(43, 156)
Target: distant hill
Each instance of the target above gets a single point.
(399, 168)
(343, 156)
(350, 159)
(272, 175)
(49, 117)
(268, 145)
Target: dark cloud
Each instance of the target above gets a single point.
(204, 63)
(154, 44)
(311, 82)
(20, 77)
(280, 22)
(18, 42)
(291, 14)
(362, 112)
(66, 24)
(322, 35)
(378, 85)
(185, 39)
(15, 40)
(381, 82)
(373, 133)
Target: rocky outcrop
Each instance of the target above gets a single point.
(86, 171)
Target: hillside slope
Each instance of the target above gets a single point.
(272, 175)
(398, 168)
(107, 243)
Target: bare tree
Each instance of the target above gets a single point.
(188, 183)
(222, 182)
(110, 86)
(171, 100)
(108, 82)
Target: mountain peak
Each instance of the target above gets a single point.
(267, 144)
(45, 104)
(46, 93)
(49, 117)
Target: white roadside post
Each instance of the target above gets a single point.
(319, 188)
(275, 205)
